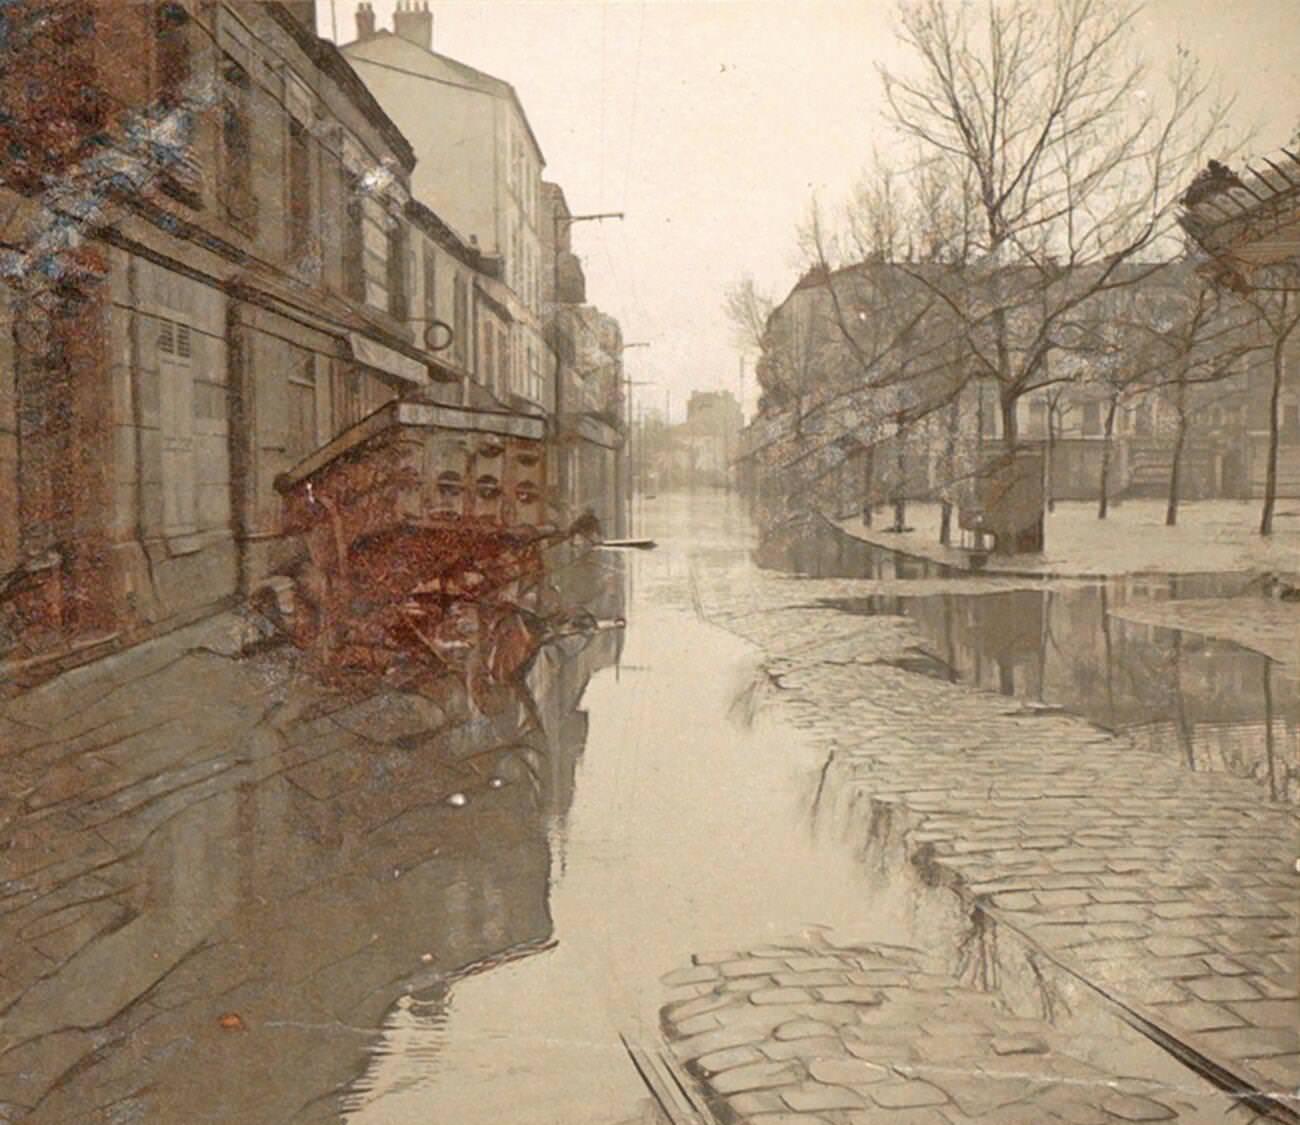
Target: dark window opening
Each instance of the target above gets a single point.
(430, 286)
(397, 300)
(172, 56)
(300, 203)
(460, 321)
(354, 250)
(237, 146)
(1290, 422)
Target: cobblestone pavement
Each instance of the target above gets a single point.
(803, 1033)
(1172, 892)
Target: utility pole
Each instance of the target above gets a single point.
(629, 464)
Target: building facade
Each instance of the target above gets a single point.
(215, 282)
(489, 191)
(871, 393)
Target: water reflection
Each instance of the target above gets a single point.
(810, 546)
(1215, 705)
(225, 875)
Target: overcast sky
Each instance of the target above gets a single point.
(711, 123)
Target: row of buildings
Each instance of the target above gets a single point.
(1134, 378)
(231, 251)
(698, 452)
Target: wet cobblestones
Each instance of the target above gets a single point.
(914, 1047)
(1174, 892)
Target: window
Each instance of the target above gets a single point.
(430, 287)
(1091, 419)
(354, 248)
(175, 352)
(398, 307)
(300, 201)
(1289, 423)
(534, 375)
(489, 372)
(1142, 419)
(460, 320)
(302, 438)
(505, 377)
(171, 52)
(237, 147)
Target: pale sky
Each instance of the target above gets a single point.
(711, 123)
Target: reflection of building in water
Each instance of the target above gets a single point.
(1212, 704)
(323, 807)
(1066, 648)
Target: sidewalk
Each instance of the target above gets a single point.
(1211, 536)
(1167, 895)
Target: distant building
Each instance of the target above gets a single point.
(479, 166)
(700, 452)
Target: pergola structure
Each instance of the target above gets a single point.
(1248, 222)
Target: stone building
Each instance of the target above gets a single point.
(702, 450)
(585, 346)
(228, 272)
(869, 394)
(489, 190)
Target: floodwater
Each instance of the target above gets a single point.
(688, 831)
(1212, 704)
(229, 896)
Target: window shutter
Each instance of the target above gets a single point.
(176, 402)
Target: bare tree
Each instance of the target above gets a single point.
(1200, 341)
(1277, 309)
(1173, 337)
(748, 310)
(1076, 151)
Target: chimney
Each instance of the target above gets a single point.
(414, 22)
(365, 20)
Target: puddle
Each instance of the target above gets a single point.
(1212, 704)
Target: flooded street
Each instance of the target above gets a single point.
(693, 827)
(689, 830)
(306, 906)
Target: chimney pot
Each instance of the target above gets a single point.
(414, 23)
(365, 20)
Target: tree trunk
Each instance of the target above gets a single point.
(1050, 454)
(900, 485)
(1274, 435)
(949, 471)
(868, 473)
(1010, 427)
(1175, 471)
(1103, 503)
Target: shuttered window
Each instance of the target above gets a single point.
(175, 347)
